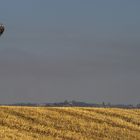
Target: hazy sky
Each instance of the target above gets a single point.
(85, 50)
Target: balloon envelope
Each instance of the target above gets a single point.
(1, 29)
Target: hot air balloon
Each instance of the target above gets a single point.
(1, 29)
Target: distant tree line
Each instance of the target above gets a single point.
(74, 103)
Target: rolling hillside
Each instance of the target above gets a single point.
(68, 123)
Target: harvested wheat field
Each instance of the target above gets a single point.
(68, 123)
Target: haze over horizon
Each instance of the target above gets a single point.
(75, 50)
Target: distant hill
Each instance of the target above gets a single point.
(73, 103)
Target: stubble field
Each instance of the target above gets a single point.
(68, 123)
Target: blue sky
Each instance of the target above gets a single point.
(77, 50)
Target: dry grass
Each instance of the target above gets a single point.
(68, 123)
